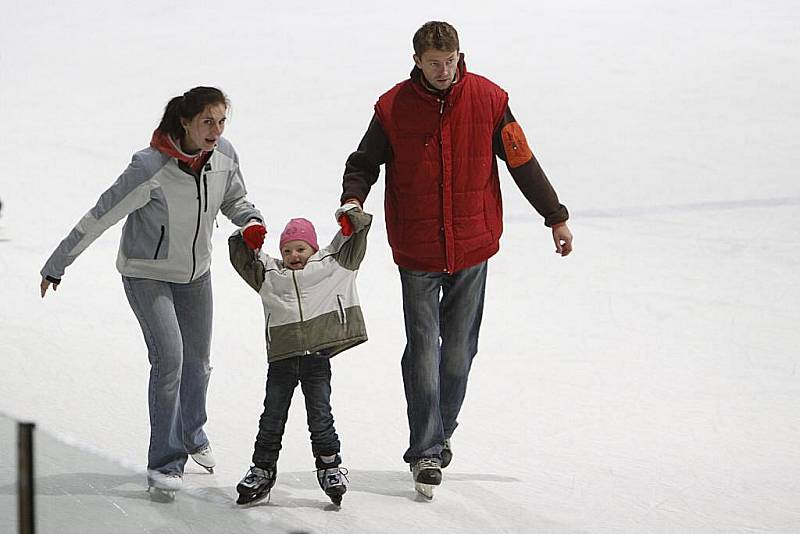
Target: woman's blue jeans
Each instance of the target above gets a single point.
(442, 318)
(176, 323)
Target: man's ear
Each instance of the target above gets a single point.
(417, 61)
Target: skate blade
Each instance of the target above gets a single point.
(245, 501)
(207, 468)
(426, 490)
(161, 495)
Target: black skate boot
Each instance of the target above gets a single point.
(427, 473)
(447, 453)
(332, 479)
(256, 484)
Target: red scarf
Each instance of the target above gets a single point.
(164, 143)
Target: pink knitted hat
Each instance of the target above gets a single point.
(299, 229)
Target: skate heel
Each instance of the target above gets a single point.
(162, 486)
(427, 474)
(205, 459)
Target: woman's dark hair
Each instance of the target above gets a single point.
(187, 106)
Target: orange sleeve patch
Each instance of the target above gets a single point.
(516, 146)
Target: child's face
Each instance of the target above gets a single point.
(296, 253)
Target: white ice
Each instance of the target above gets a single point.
(647, 383)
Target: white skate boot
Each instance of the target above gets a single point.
(205, 458)
(162, 486)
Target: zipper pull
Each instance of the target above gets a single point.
(441, 106)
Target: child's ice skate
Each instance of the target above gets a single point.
(427, 473)
(205, 458)
(256, 485)
(162, 486)
(332, 479)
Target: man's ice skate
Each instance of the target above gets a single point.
(427, 473)
(256, 485)
(205, 458)
(333, 480)
(447, 453)
(162, 486)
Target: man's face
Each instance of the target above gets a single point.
(438, 66)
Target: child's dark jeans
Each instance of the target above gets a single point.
(314, 374)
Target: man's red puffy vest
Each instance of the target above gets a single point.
(443, 205)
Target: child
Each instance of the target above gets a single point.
(312, 313)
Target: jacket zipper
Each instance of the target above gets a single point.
(297, 292)
(205, 191)
(197, 228)
(441, 152)
(300, 309)
(160, 240)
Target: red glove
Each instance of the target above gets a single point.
(253, 236)
(347, 226)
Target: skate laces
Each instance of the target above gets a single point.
(257, 473)
(427, 463)
(332, 478)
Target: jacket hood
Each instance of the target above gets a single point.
(164, 143)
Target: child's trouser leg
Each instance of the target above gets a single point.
(282, 378)
(316, 384)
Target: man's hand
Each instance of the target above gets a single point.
(253, 234)
(562, 238)
(343, 219)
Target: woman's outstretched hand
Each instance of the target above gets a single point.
(46, 284)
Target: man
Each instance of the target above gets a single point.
(438, 134)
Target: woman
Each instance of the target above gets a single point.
(171, 193)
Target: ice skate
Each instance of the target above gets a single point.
(162, 486)
(256, 485)
(205, 458)
(447, 453)
(333, 481)
(427, 473)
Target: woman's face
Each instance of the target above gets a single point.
(205, 129)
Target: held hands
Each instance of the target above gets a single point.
(253, 234)
(562, 238)
(343, 219)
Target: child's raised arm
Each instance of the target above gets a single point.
(352, 251)
(245, 261)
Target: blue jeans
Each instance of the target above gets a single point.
(314, 374)
(442, 317)
(176, 323)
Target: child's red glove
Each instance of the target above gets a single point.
(253, 235)
(347, 226)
